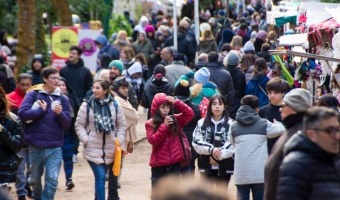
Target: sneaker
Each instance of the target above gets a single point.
(74, 158)
(69, 185)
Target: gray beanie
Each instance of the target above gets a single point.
(232, 58)
(298, 99)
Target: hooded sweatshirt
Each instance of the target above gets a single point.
(249, 135)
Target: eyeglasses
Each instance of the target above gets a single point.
(329, 130)
(54, 78)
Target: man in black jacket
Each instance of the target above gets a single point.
(184, 44)
(221, 77)
(78, 77)
(308, 170)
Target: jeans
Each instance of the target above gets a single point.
(68, 152)
(244, 190)
(48, 159)
(99, 171)
(21, 182)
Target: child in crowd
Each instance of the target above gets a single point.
(249, 135)
(276, 89)
(210, 141)
(162, 132)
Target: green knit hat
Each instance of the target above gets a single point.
(118, 64)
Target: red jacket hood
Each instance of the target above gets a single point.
(157, 101)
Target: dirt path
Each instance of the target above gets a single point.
(135, 179)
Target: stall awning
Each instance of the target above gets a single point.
(322, 33)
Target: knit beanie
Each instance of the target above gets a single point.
(248, 46)
(159, 71)
(118, 64)
(205, 27)
(149, 28)
(262, 35)
(298, 99)
(182, 88)
(232, 59)
(253, 34)
(202, 75)
(135, 68)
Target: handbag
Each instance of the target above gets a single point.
(186, 149)
(117, 159)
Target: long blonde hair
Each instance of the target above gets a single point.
(207, 35)
(196, 89)
(236, 42)
(119, 35)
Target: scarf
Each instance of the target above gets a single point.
(102, 114)
(293, 119)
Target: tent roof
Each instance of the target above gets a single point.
(328, 25)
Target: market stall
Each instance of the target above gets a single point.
(314, 73)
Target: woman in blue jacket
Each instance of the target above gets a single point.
(258, 82)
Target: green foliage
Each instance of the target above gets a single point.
(118, 22)
(8, 15)
(90, 9)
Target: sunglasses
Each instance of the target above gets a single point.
(329, 130)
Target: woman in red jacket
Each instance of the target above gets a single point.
(162, 132)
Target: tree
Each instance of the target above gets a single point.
(63, 12)
(26, 34)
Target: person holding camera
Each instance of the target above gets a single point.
(163, 132)
(210, 141)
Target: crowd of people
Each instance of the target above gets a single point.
(227, 112)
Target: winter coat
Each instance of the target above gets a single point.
(257, 86)
(98, 147)
(78, 77)
(227, 36)
(239, 82)
(207, 91)
(175, 71)
(131, 117)
(44, 129)
(249, 135)
(204, 143)
(107, 49)
(185, 45)
(221, 77)
(7, 81)
(307, 172)
(166, 146)
(152, 89)
(207, 46)
(275, 159)
(10, 145)
(16, 97)
(145, 48)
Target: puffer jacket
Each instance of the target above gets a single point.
(98, 147)
(44, 129)
(307, 172)
(10, 144)
(166, 146)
